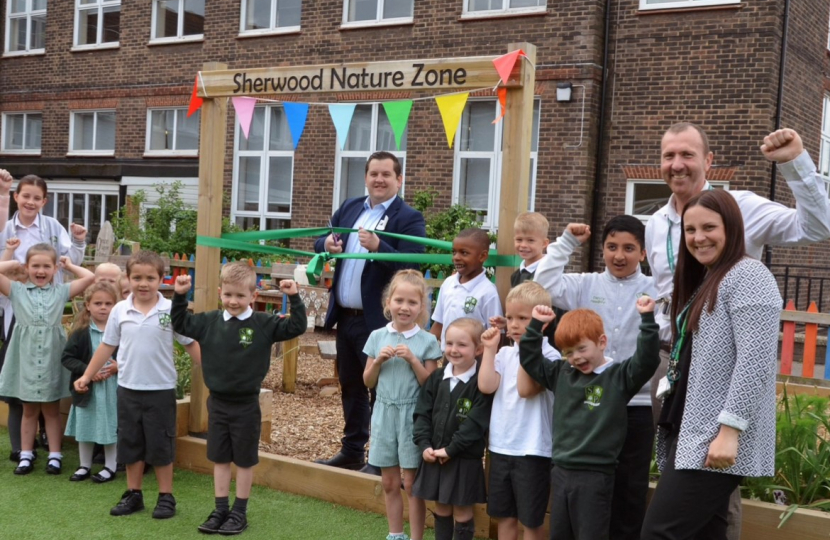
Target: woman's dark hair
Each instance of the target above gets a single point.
(690, 274)
(32, 180)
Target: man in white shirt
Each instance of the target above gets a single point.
(685, 160)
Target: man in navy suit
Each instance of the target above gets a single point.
(355, 301)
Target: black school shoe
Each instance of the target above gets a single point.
(14, 455)
(24, 466)
(235, 524)
(130, 503)
(80, 475)
(165, 507)
(98, 478)
(214, 521)
(54, 469)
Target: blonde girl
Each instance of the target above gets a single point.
(450, 429)
(33, 372)
(93, 416)
(400, 358)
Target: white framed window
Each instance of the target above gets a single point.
(25, 27)
(263, 172)
(374, 12)
(673, 4)
(369, 132)
(92, 133)
(824, 151)
(270, 16)
(177, 20)
(88, 203)
(478, 8)
(21, 133)
(478, 159)
(171, 133)
(97, 24)
(644, 197)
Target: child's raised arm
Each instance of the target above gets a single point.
(488, 378)
(5, 283)
(84, 277)
(565, 289)
(11, 245)
(5, 187)
(533, 362)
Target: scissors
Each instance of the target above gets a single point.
(334, 235)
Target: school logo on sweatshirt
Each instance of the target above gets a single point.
(462, 408)
(470, 304)
(246, 337)
(164, 320)
(593, 395)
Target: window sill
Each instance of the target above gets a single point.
(484, 16)
(92, 48)
(176, 41)
(288, 31)
(90, 153)
(170, 154)
(18, 54)
(690, 9)
(368, 25)
(27, 153)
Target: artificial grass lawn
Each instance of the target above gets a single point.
(41, 506)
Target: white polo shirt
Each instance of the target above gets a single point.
(145, 345)
(477, 299)
(520, 426)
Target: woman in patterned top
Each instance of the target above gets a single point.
(718, 419)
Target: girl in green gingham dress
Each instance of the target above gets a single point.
(400, 358)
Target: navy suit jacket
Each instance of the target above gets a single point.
(403, 219)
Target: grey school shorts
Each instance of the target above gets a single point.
(146, 426)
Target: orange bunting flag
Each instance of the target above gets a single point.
(502, 91)
(451, 107)
(195, 100)
(504, 64)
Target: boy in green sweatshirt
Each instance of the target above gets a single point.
(237, 343)
(591, 393)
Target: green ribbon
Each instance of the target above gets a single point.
(242, 242)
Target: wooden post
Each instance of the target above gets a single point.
(214, 121)
(290, 352)
(515, 170)
(788, 343)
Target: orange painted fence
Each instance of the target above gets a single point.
(811, 320)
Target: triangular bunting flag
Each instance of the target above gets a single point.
(244, 107)
(296, 114)
(451, 107)
(195, 100)
(398, 114)
(502, 91)
(504, 64)
(341, 115)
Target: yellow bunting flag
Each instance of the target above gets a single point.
(451, 107)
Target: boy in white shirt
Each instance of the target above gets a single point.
(520, 428)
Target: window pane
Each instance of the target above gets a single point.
(94, 217)
(534, 138)
(187, 136)
(360, 130)
(648, 198)
(474, 185)
(14, 132)
(161, 130)
(258, 14)
(247, 195)
(363, 10)
(478, 132)
(105, 138)
(87, 26)
(248, 223)
(112, 25)
(256, 132)
(167, 18)
(194, 17)
(34, 124)
(484, 5)
(17, 34)
(273, 224)
(386, 136)
(280, 135)
(78, 209)
(63, 210)
(111, 206)
(37, 4)
(279, 184)
(352, 178)
(527, 3)
(82, 138)
(17, 6)
(38, 40)
(288, 12)
(397, 8)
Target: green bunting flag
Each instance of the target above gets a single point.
(398, 114)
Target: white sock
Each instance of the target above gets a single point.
(84, 453)
(57, 456)
(105, 474)
(109, 456)
(27, 454)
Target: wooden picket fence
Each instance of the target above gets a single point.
(812, 320)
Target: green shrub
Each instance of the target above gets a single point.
(183, 364)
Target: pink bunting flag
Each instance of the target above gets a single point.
(244, 107)
(195, 100)
(504, 64)
(502, 91)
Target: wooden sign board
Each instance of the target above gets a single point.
(434, 74)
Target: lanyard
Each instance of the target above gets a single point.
(670, 246)
(673, 371)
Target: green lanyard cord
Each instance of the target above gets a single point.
(670, 246)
